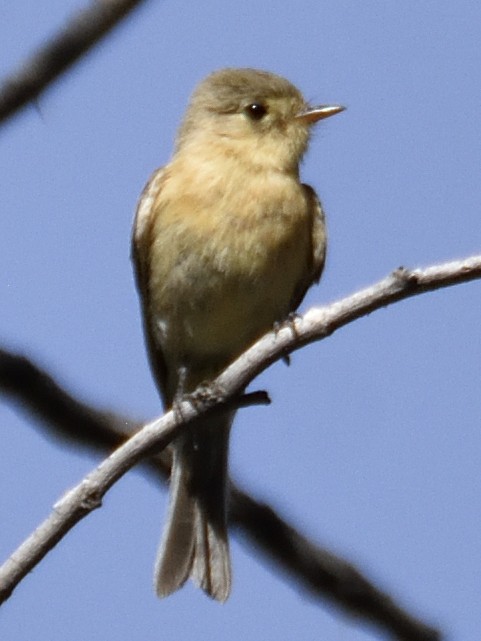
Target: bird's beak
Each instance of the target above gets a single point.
(313, 114)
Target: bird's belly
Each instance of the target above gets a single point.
(211, 305)
(228, 318)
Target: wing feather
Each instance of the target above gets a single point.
(140, 254)
(317, 256)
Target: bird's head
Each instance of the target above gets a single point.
(254, 116)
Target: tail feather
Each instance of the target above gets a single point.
(177, 547)
(211, 564)
(195, 542)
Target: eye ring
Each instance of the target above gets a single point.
(256, 110)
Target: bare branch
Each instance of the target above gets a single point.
(85, 29)
(324, 574)
(315, 325)
(320, 322)
(88, 494)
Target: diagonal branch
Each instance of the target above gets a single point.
(324, 574)
(315, 325)
(84, 30)
(320, 322)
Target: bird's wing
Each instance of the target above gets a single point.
(140, 254)
(317, 256)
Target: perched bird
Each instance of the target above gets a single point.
(226, 242)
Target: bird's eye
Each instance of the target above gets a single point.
(256, 110)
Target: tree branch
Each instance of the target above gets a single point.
(324, 574)
(84, 30)
(315, 325)
(320, 322)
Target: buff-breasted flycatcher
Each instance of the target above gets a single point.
(226, 242)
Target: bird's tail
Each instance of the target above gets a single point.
(194, 542)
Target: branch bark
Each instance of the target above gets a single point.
(84, 30)
(314, 325)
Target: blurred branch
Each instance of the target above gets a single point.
(322, 573)
(64, 417)
(84, 30)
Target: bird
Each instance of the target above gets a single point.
(226, 241)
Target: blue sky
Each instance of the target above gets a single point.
(373, 442)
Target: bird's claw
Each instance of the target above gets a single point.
(288, 322)
(204, 396)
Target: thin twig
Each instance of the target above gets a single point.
(320, 322)
(83, 31)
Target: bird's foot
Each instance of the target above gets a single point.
(207, 394)
(288, 322)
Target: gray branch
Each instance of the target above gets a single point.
(315, 325)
